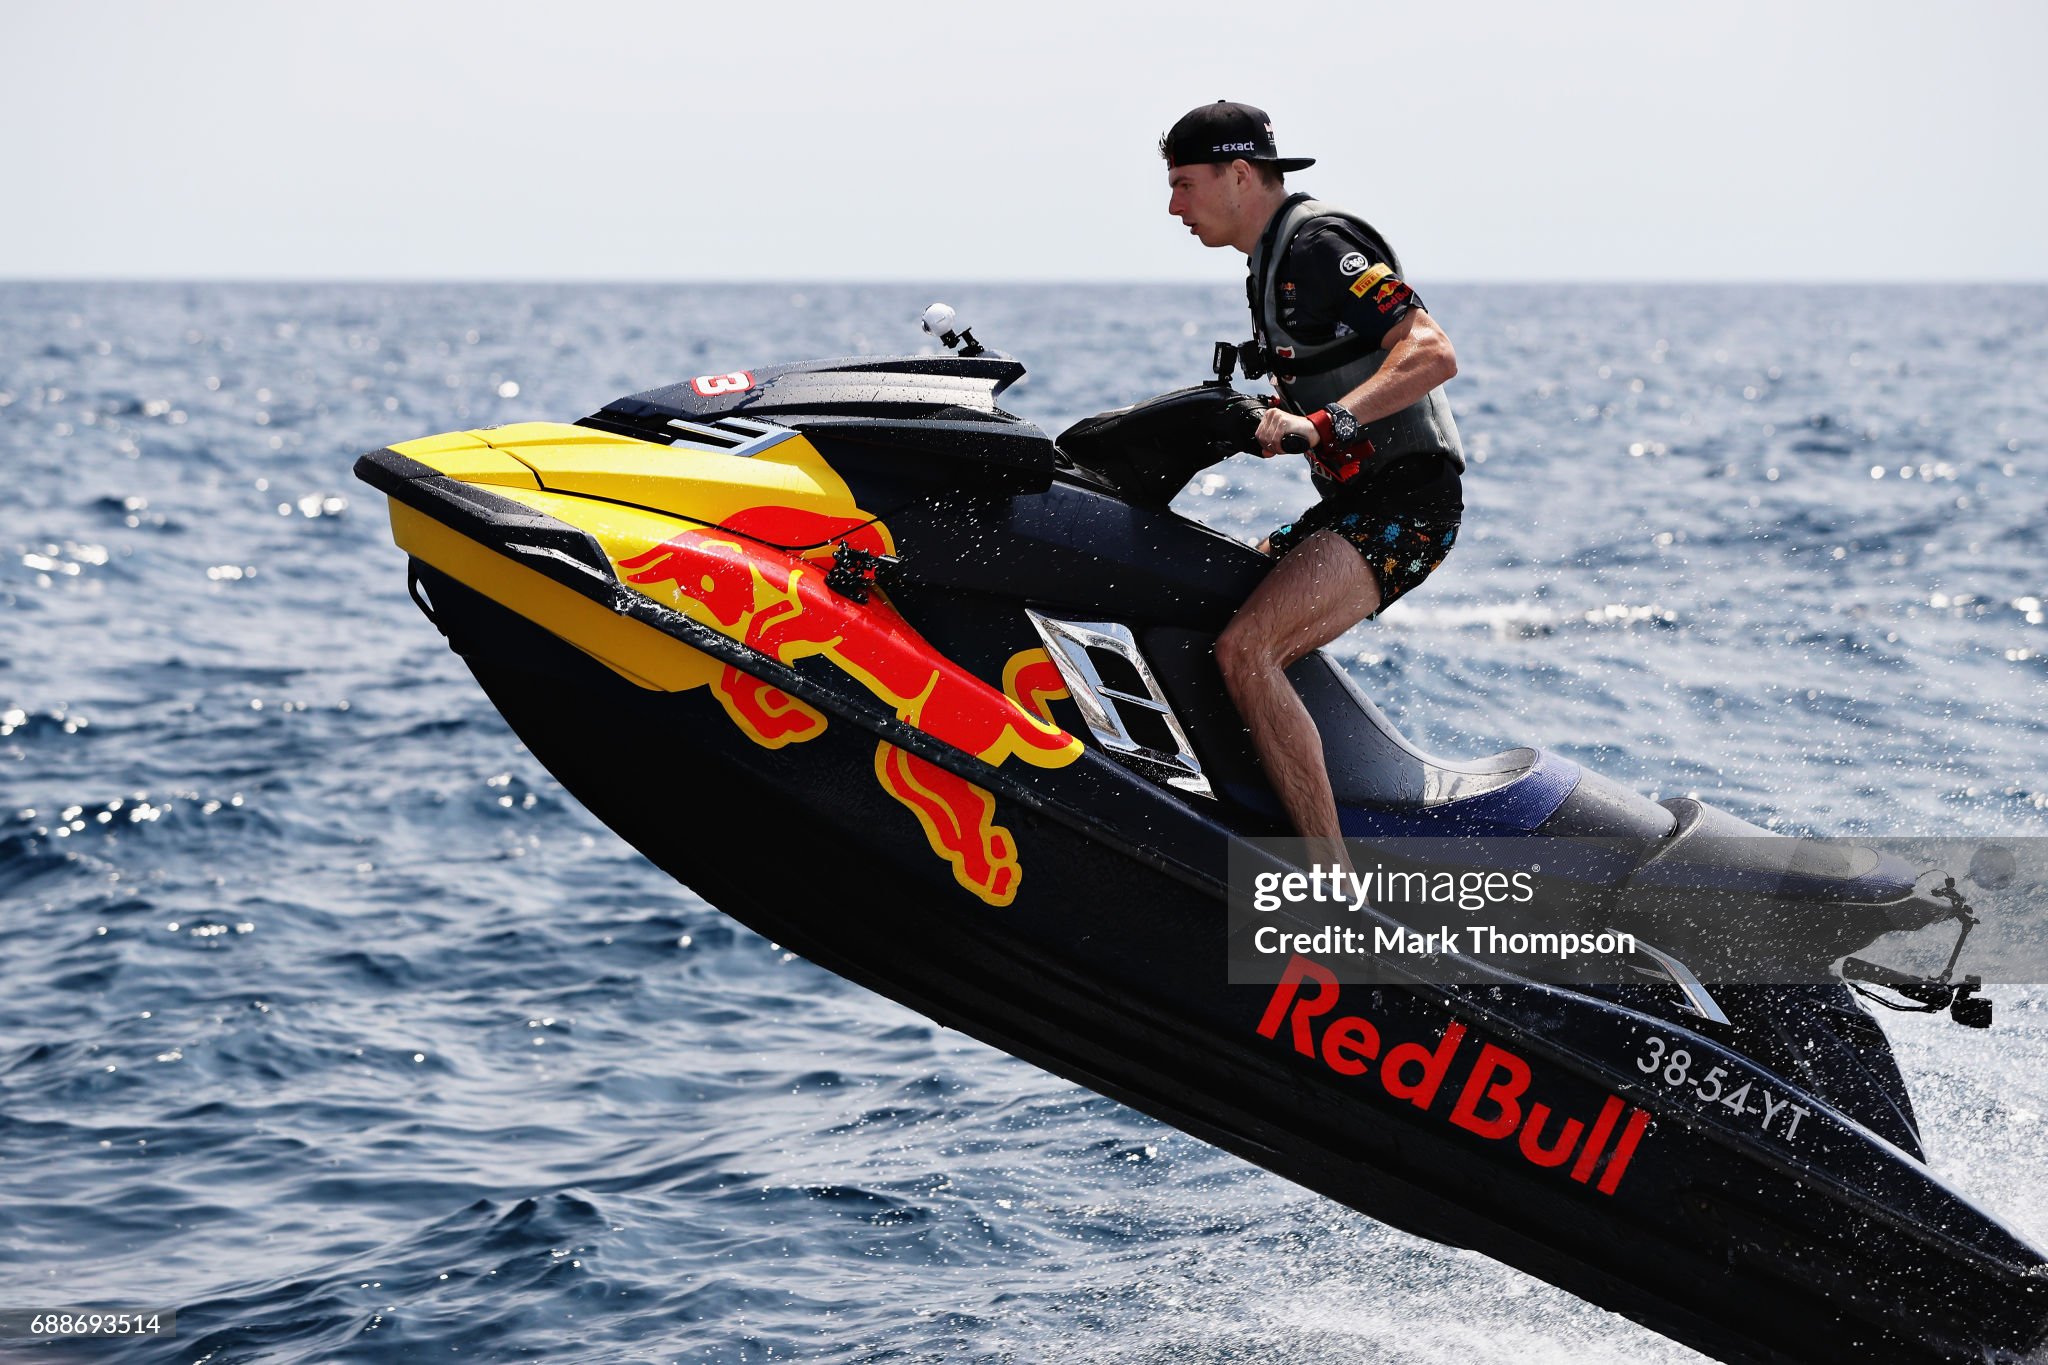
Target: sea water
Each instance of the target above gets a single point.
(332, 1023)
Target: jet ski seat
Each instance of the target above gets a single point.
(1371, 763)
(1385, 784)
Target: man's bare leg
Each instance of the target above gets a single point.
(1321, 589)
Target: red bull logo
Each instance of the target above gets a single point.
(1495, 1100)
(736, 580)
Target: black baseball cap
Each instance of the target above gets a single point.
(1223, 132)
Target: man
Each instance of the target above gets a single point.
(1357, 364)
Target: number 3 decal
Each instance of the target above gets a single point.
(712, 385)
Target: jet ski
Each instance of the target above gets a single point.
(892, 677)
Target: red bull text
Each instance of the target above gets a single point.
(1492, 1098)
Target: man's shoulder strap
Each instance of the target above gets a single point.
(1317, 215)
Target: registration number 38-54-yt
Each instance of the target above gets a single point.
(1676, 1067)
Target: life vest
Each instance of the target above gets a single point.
(1310, 375)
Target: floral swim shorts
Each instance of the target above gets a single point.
(1402, 526)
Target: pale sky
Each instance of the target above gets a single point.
(614, 139)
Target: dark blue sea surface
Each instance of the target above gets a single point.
(331, 1022)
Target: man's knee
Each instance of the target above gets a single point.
(1244, 649)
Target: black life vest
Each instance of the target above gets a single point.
(1310, 375)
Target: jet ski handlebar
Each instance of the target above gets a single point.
(1224, 361)
(1148, 451)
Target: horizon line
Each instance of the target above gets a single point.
(1918, 280)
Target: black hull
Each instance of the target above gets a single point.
(1110, 971)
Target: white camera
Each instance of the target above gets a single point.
(938, 320)
(942, 322)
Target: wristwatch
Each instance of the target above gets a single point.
(1344, 428)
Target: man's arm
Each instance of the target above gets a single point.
(1419, 357)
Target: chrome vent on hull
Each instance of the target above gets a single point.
(741, 436)
(1120, 700)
